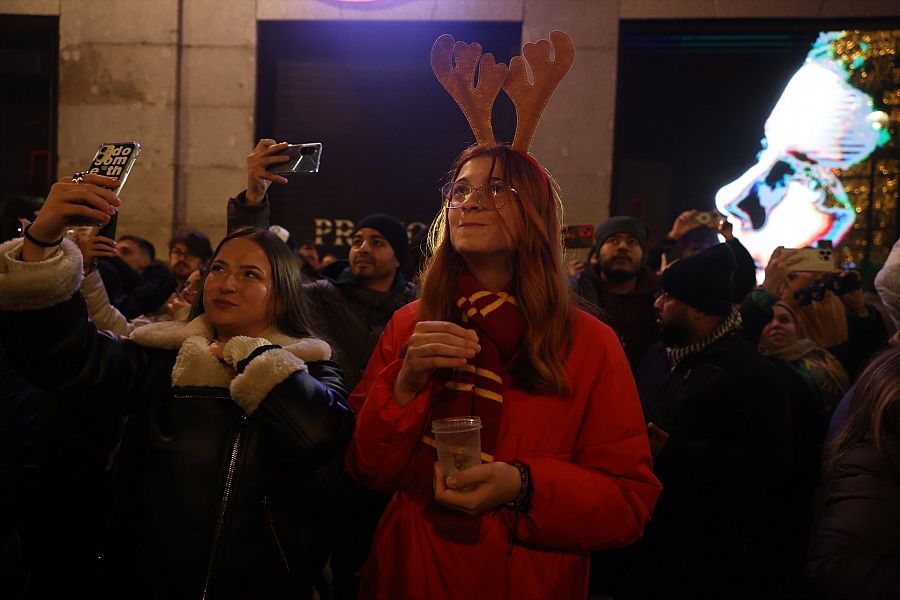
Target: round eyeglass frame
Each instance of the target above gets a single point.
(481, 198)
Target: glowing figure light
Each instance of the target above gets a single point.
(792, 197)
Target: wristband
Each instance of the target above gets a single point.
(522, 501)
(256, 352)
(38, 242)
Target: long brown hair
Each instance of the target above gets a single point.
(538, 284)
(874, 410)
(287, 312)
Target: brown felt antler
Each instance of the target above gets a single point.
(476, 102)
(529, 99)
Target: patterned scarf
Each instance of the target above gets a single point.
(678, 353)
(477, 388)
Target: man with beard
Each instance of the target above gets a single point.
(621, 286)
(353, 309)
(189, 250)
(718, 422)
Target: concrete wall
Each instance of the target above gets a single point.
(128, 71)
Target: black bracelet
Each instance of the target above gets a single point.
(522, 501)
(256, 352)
(38, 242)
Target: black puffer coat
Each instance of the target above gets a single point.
(856, 553)
(212, 472)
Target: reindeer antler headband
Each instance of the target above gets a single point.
(477, 102)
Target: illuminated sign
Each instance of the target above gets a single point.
(792, 196)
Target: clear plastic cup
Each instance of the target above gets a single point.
(458, 443)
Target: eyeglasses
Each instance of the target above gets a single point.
(492, 194)
(178, 252)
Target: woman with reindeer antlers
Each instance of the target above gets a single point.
(566, 464)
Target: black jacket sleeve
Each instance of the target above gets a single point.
(306, 417)
(59, 350)
(241, 214)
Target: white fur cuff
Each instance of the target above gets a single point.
(262, 374)
(42, 284)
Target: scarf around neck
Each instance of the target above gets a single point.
(676, 354)
(476, 389)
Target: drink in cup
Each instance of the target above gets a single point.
(458, 443)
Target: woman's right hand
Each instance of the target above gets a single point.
(259, 178)
(92, 201)
(433, 345)
(778, 270)
(686, 221)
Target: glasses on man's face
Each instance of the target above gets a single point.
(179, 253)
(492, 194)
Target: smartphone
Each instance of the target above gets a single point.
(304, 159)
(819, 260)
(578, 236)
(113, 159)
(710, 218)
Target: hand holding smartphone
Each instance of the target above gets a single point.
(303, 158)
(270, 160)
(818, 260)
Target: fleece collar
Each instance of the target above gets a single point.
(195, 364)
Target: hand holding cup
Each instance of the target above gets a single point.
(479, 489)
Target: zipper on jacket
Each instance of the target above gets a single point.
(270, 519)
(223, 505)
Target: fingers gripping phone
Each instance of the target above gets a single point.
(304, 159)
(113, 159)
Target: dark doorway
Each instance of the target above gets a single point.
(367, 92)
(29, 49)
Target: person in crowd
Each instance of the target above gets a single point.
(227, 412)
(621, 285)
(566, 463)
(140, 255)
(856, 550)
(887, 284)
(137, 252)
(350, 311)
(823, 372)
(842, 323)
(815, 380)
(718, 420)
(189, 250)
(693, 231)
(308, 257)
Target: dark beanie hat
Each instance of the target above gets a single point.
(392, 230)
(628, 225)
(704, 281)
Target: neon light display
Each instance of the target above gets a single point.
(792, 196)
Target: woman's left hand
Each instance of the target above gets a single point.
(493, 484)
(218, 350)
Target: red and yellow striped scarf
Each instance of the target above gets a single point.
(477, 388)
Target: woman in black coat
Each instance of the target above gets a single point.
(228, 413)
(856, 553)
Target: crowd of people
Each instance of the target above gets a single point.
(247, 422)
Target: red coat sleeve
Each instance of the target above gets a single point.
(604, 496)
